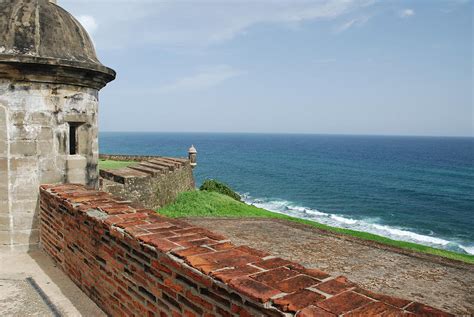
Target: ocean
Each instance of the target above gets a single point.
(417, 189)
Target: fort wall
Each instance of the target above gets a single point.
(136, 262)
(153, 182)
(35, 123)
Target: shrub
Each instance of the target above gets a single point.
(212, 185)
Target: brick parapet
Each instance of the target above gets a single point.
(136, 262)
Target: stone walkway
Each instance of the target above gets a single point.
(32, 285)
(446, 285)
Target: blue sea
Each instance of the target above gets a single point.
(418, 189)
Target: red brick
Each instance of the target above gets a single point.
(222, 246)
(168, 231)
(344, 302)
(192, 251)
(313, 311)
(214, 235)
(273, 263)
(189, 230)
(274, 276)
(125, 217)
(188, 313)
(394, 301)
(335, 286)
(223, 313)
(117, 210)
(161, 244)
(129, 224)
(188, 237)
(298, 300)
(230, 274)
(198, 300)
(240, 311)
(162, 225)
(169, 282)
(375, 309)
(424, 310)
(158, 266)
(136, 231)
(296, 283)
(318, 274)
(211, 261)
(253, 289)
(252, 251)
(199, 242)
(197, 277)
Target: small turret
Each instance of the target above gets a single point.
(192, 155)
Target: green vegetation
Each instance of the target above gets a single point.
(110, 165)
(212, 204)
(212, 185)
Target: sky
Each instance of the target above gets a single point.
(322, 66)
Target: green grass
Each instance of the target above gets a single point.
(212, 204)
(110, 165)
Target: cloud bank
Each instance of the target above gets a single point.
(197, 23)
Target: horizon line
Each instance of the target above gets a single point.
(295, 133)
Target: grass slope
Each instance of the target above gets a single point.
(110, 165)
(212, 204)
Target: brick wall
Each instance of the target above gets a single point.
(134, 262)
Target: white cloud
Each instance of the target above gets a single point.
(89, 23)
(203, 79)
(352, 23)
(197, 23)
(406, 13)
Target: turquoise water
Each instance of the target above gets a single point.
(418, 189)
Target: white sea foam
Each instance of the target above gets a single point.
(468, 249)
(411, 235)
(315, 212)
(371, 225)
(348, 221)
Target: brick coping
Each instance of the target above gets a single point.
(270, 284)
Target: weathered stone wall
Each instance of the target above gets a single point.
(135, 262)
(130, 157)
(4, 196)
(34, 149)
(152, 183)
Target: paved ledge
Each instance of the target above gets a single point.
(32, 285)
(432, 280)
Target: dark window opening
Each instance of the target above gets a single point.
(73, 146)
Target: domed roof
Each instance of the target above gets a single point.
(39, 31)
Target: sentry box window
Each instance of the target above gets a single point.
(73, 138)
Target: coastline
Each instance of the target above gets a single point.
(399, 246)
(338, 221)
(211, 204)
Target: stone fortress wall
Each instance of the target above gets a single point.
(153, 182)
(34, 149)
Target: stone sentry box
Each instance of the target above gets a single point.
(50, 78)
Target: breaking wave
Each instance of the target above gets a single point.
(366, 224)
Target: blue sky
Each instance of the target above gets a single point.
(345, 67)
